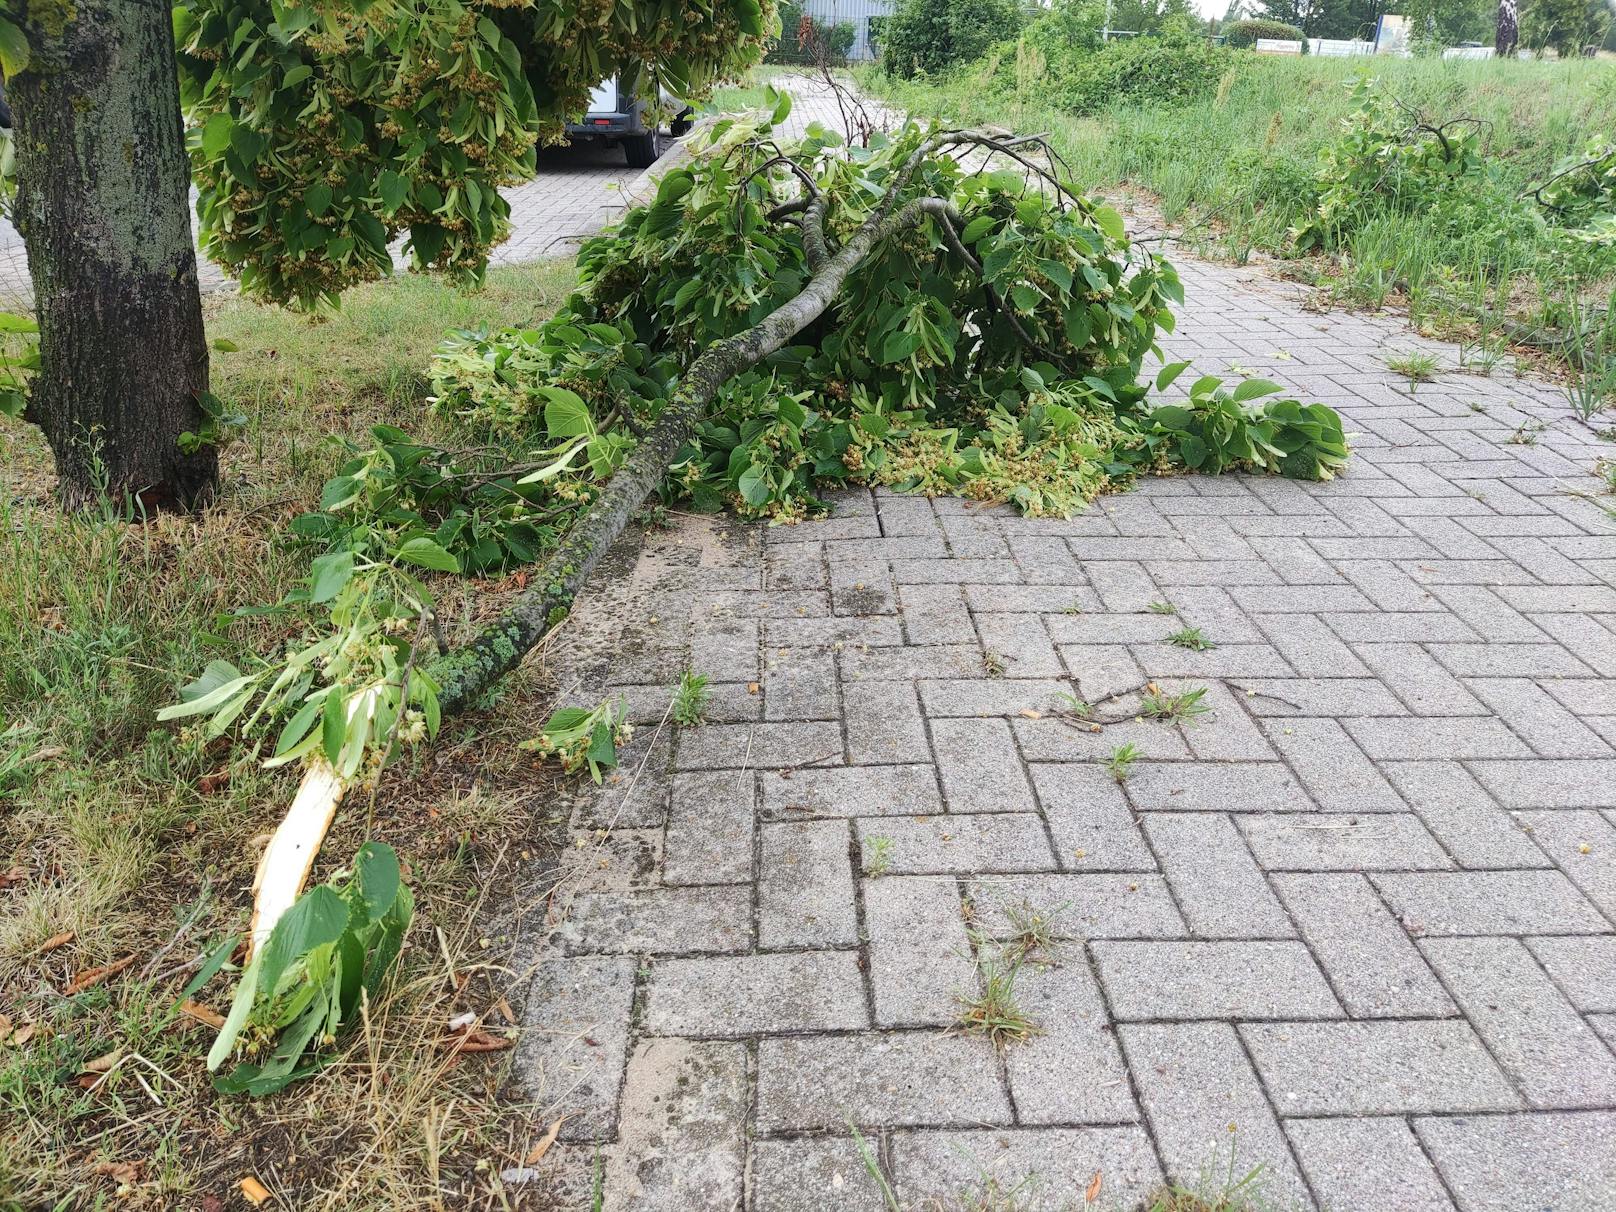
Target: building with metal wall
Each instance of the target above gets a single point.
(858, 14)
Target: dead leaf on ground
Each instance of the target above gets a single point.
(14, 876)
(103, 1062)
(56, 941)
(254, 1192)
(1093, 1193)
(92, 977)
(1031, 714)
(122, 1171)
(505, 1011)
(202, 1014)
(208, 784)
(22, 1035)
(542, 1145)
(476, 1040)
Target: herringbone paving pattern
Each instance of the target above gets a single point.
(1353, 926)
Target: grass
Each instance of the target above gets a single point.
(877, 856)
(1159, 704)
(993, 1011)
(1120, 761)
(1191, 638)
(690, 699)
(1416, 367)
(135, 841)
(1234, 172)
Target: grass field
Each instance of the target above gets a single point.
(123, 839)
(1233, 172)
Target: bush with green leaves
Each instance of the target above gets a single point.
(926, 37)
(806, 39)
(1245, 32)
(1389, 159)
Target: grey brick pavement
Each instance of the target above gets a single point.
(1354, 927)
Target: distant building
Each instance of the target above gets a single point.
(865, 16)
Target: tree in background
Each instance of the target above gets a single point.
(1567, 27)
(322, 130)
(1151, 16)
(1508, 33)
(929, 36)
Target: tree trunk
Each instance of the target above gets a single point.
(1509, 12)
(102, 204)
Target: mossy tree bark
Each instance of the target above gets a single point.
(102, 204)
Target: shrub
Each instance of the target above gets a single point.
(1245, 33)
(929, 36)
(1143, 70)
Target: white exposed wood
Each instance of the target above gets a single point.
(289, 857)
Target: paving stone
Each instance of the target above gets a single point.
(986, 696)
(1326, 841)
(1566, 783)
(1207, 1110)
(795, 566)
(809, 1174)
(1045, 1167)
(850, 791)
(683, 1131)
(935, 614)
(709, 836)
(884, 724)
(1214, 878)
(758, 746)
(1505, 1163)
(1346, 696)
(1090, 628)
(1489, 902)
(1465, 819)
(1377, 1068)
(1225, 733)
(1538, 719)
(1367, 1163)
(1089, 819)
(1071, 1071)
(799, 684)
(1123, 587)
(1395, 739)
(1416, 677)
(755, 994)
(833, 632)
(1335, 770)
(863, 585)
(635, 795)
(1216, 787)
(1555, 1059)
(979, 766)
(1077, 906)
(1021, 644)
(805, 895)
(909, 663)
(1182, 980)
(956, 843)
(575, 1040)
(660, 920)
(956, 572)
(1584, 968)
(1223, 661)
(727, 703)
(1583, 845)
(1102, 670)
(1031, 599)
(891, 1078)
(920, 960)
(1372, 966)
(1065, 739)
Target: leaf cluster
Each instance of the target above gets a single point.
(323, 130)
(328, 954)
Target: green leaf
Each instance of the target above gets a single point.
(329, 574)
(376, 871)
(565, 414)
(753, 485)
(216, 134)
(318, 917)
(749, 16)
(1252, 388)
(296, 75)
(392, 189)
(14, 53)
(1057, 273)
(977, 228)
(1170, 372)
(425, 553)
